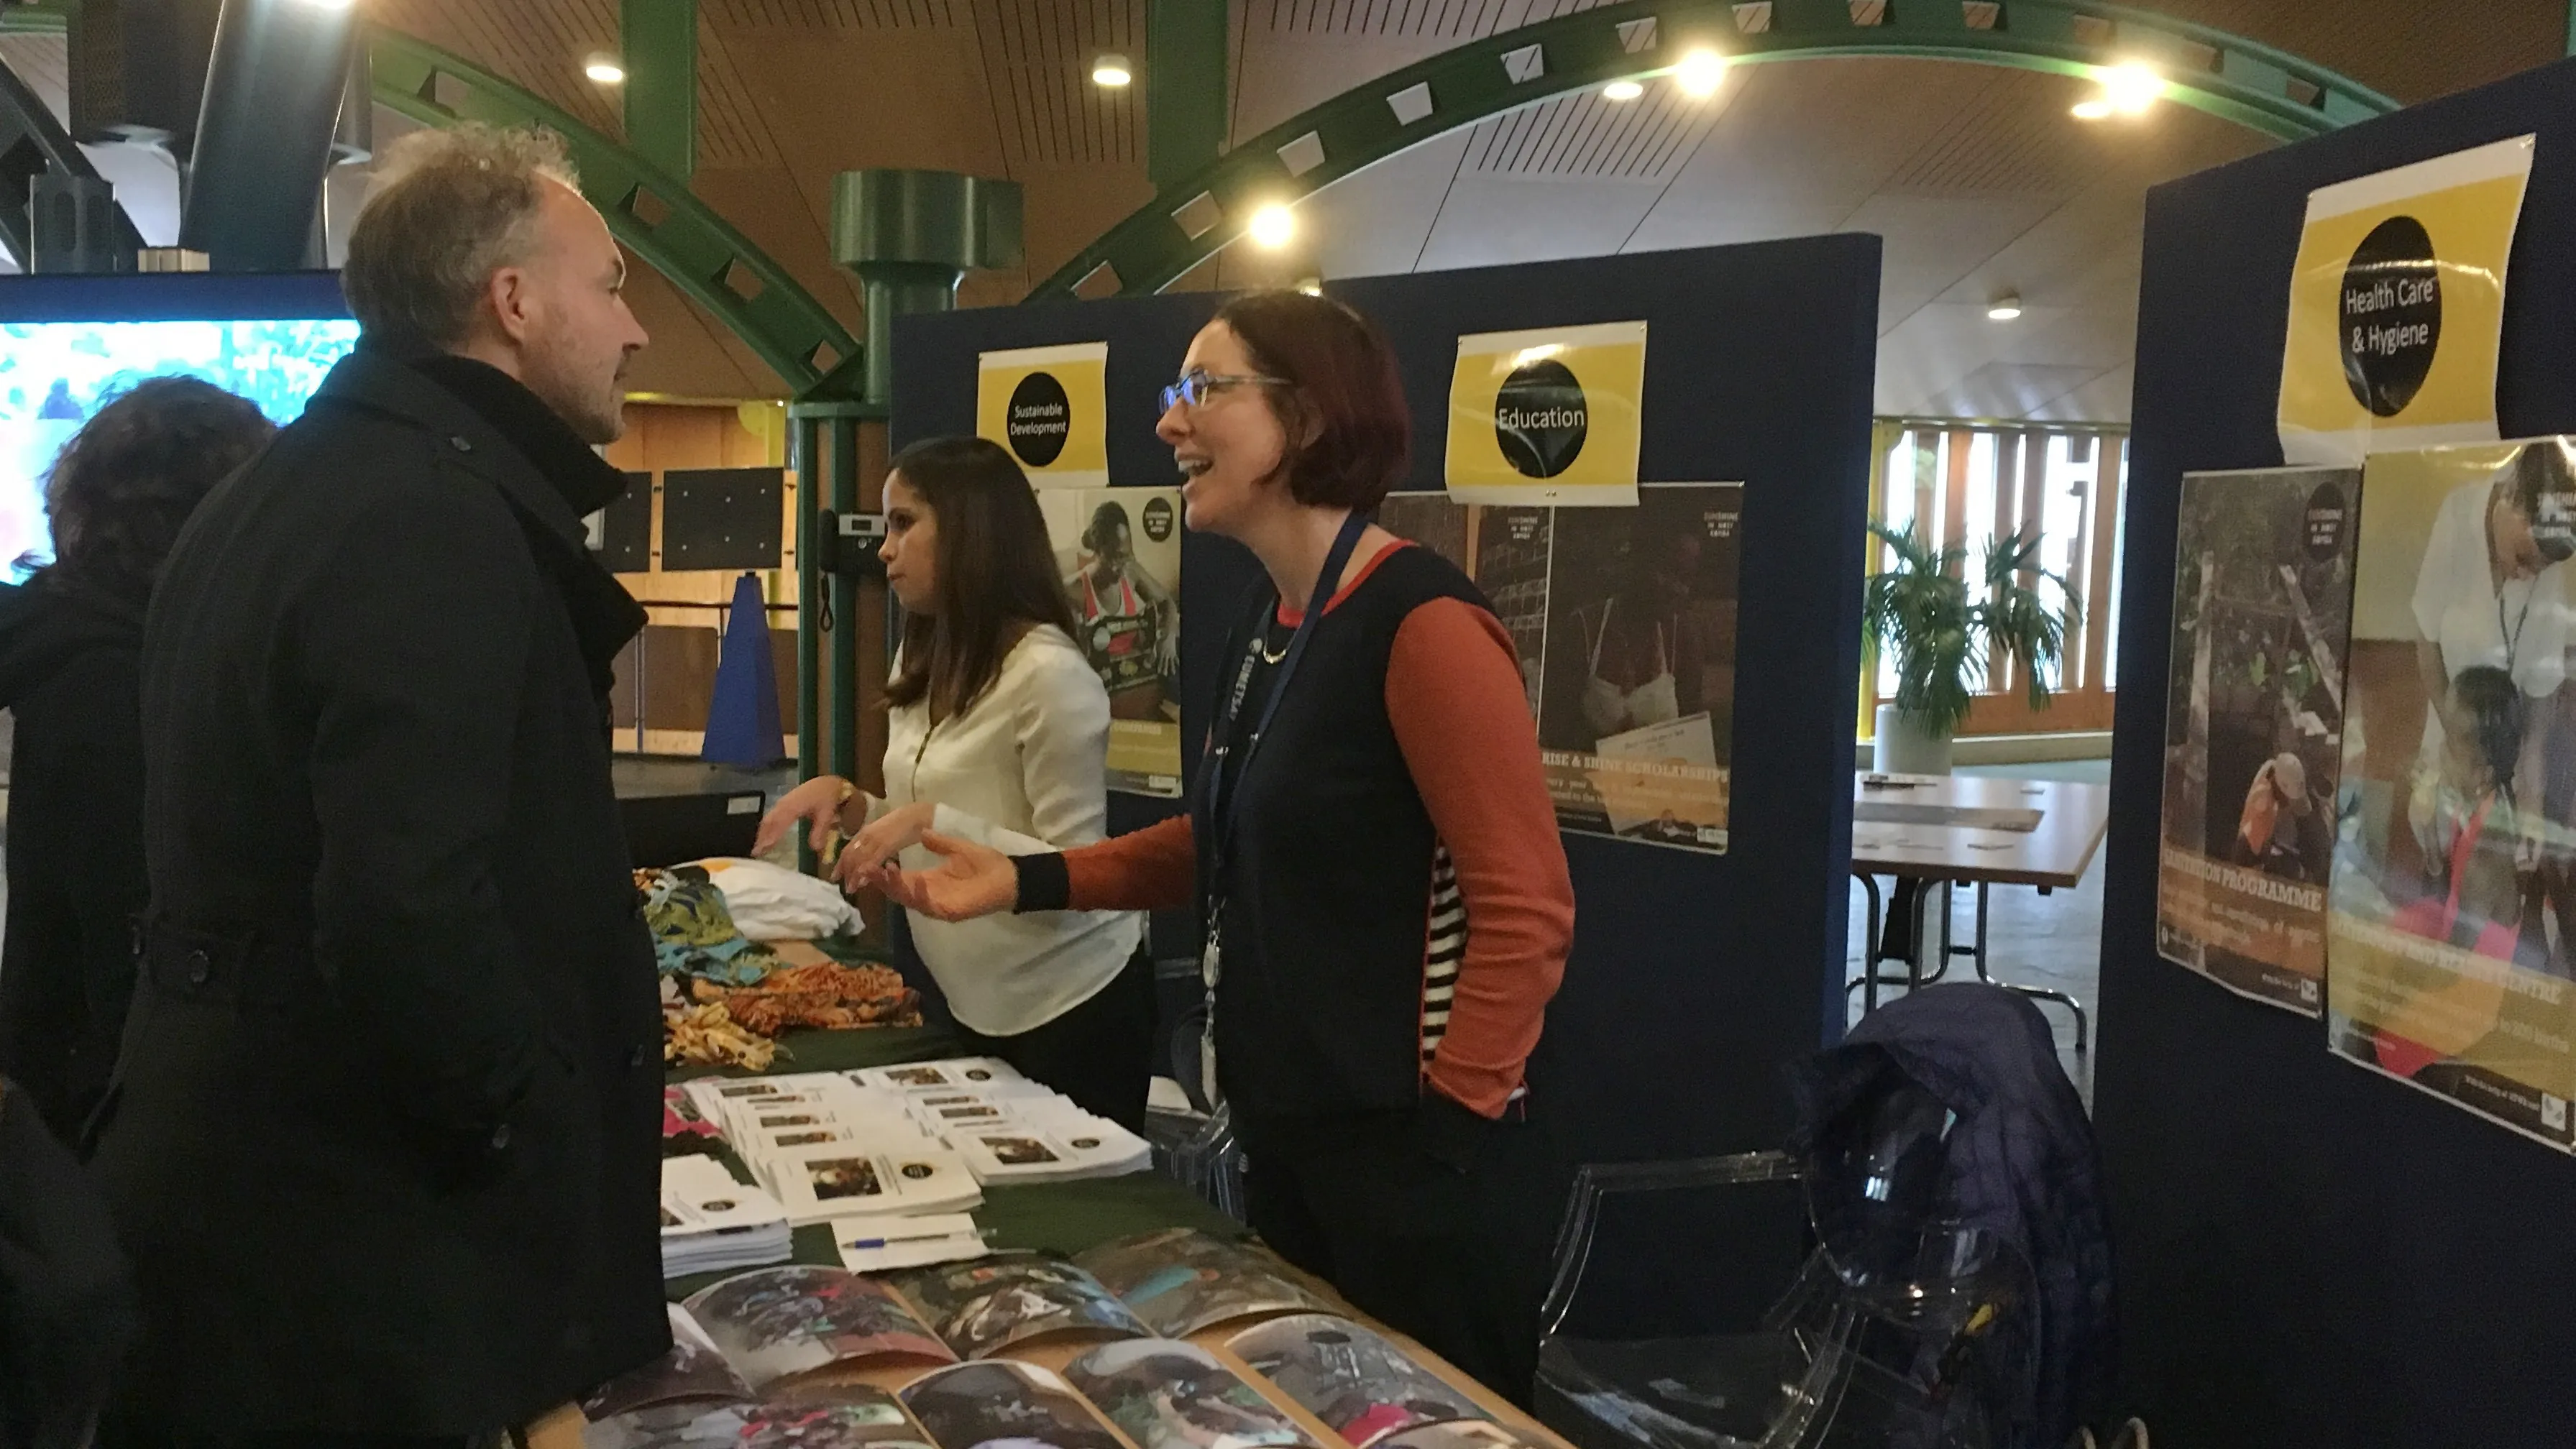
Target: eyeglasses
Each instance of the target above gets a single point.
(1198, 384)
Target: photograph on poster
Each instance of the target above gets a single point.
(1625, 623)
(984, 1307)
(1119, 553)
(2451, 919)
(1359, 1384)
(2254, 727)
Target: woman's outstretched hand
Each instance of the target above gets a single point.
(876, 849)
(970, 880)
(817, 803)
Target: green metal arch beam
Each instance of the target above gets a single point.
(2209, 70)
(651, 211)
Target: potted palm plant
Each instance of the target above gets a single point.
(1943, 635)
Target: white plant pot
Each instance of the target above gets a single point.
(1903, 747)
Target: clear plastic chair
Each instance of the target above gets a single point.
(1896, 1335)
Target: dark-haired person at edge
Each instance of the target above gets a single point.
(71, 642)
(1373, 848)
(383, 1144)
(998, 732)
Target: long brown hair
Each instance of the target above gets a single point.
(993, 571)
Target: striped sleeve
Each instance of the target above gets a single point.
(1501, 915)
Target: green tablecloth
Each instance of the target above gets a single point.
(1065, 1217)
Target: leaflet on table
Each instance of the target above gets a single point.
(984, 1307)
(879, 1245)
(819, 1417)
(2449, 946)
(968, 1074)
(1359, 1384)
(1624, 622)
(835, 1180)
(1007, 1406)
(1169, 1395)
(711, 1223)
(2254, 727)
(1118, 551)
(1180, 1280)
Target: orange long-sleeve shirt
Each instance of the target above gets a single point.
(1455, 700)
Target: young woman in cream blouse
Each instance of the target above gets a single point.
(998, 733)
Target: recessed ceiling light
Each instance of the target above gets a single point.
(2131, 87)
(1112, 70)
(1622, 91)
(1699, 74)
(2004, 308)
(1272, 226)
(2093, 110)
(1311, 286)
(604, 69)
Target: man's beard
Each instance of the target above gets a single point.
(598, 415)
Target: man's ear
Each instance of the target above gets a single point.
(506, 295)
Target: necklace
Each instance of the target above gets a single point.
(1266, 656)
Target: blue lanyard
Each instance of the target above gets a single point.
(1220, 799)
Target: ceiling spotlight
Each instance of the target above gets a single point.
(1311, 286)
(2131, 88)
(2093, 110)
(1699, 74)
(1111, 70)
(2004, 308)
(1622, 91)
(605, 69)
(1272, 226)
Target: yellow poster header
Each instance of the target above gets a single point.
(2396, 304)
(1547, 418)
(1047, 406)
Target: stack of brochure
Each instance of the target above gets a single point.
(712, 1224)
(1009, 1129)
(829, 1149)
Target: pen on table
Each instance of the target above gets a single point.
(906, 1238)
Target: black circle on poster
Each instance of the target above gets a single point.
(2391, 315)
(2326, 519)
(1159, 518)
(1540, 418)
(1040, 419)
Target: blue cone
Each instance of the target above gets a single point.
(742, 718)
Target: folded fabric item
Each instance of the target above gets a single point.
(706, 1035)
(773, 903)
(823, 995)
(694, 932)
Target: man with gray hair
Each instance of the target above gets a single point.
(384, 1143)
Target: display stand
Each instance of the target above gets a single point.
(1695, 977)
(2310, 1253)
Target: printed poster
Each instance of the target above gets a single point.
(1625, 623)
(1047, 405)
(1360, 1385)
(2254, 727)
(1005, 1405)
(2451, 921)
(1165, 1394)
(1547, 418)
(1118, 551)
(2396, 305)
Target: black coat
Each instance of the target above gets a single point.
(66, 1303)
(383, 1144)
(75, 846)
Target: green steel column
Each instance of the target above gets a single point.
(843, 678)
(1185, 74)
(806, 439)
(911, 236)
(660, 52)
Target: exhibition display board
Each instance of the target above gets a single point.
(1696, 975)
(2331, 1221)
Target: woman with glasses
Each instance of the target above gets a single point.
(1370, 843)
(998, 733)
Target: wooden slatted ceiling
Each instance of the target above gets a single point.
(834, 14)
(1038, 58)
(1455, 19)
(2011, 137)
(1583, 135)
(2410, 49)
